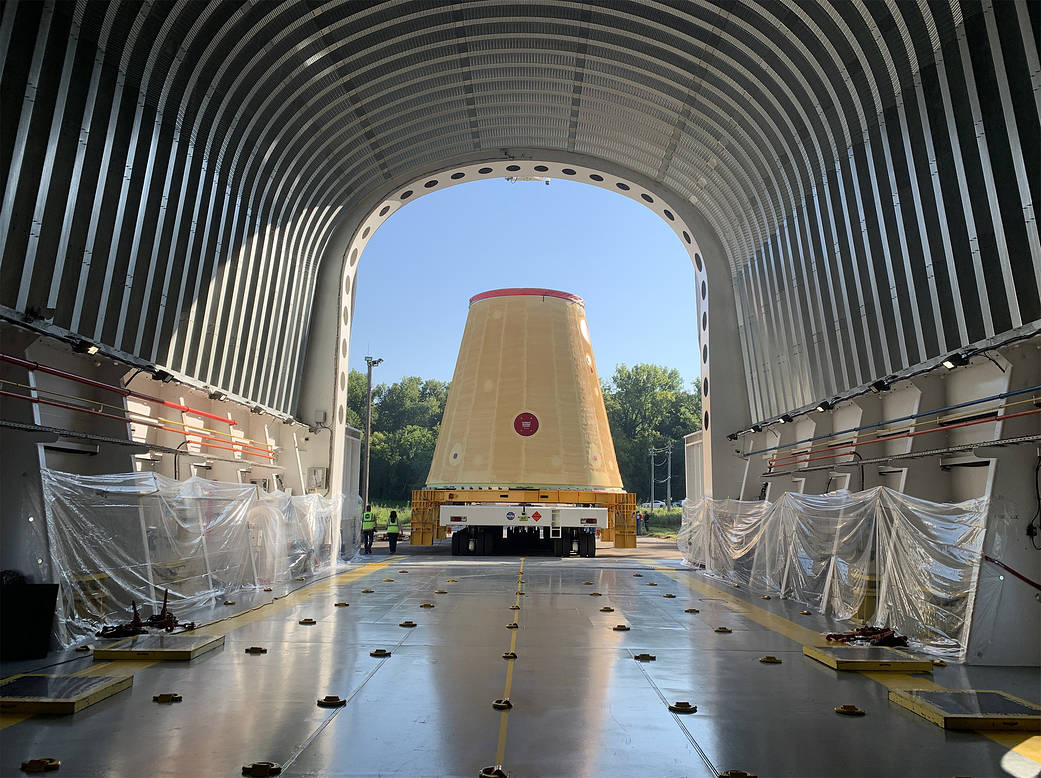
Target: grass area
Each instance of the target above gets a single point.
(383, 509)
(664, 523)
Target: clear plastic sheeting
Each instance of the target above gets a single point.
(878, 556)
(113, 539)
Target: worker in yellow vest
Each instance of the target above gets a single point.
(392, 530)
(368, 529)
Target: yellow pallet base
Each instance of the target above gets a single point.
(175, 648)
(426, 503)
(31, 693)
(970, 708)
(867, 658)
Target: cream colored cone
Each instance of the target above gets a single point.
(525, 406)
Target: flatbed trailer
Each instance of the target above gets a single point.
(614, 511)
(477, 528)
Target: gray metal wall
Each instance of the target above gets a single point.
(173, 172)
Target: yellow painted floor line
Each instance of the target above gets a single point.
(504, 718)
(1023, 744)
(121, 668)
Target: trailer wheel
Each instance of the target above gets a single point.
(458, 541)
(590, 544)
(558, 547)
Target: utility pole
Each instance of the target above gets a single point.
(668, 482)
(652, 477)
(368, 429)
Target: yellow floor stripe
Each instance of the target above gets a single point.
(1028, 746)
(500, 749)
(122, 668)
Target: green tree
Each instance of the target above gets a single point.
(648, 407)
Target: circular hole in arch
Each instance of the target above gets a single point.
(668, 215)
(457, 176)
(347, 285)
(698, 263)
(343, 380)
(346, 314)
(704, 354)
(406, 194)
(704, 321)
(541, 168)
(568, 171)
(686, 236)
(354, 257)
(384, 210)
(647, 198)
(485, 171)
(704, 290)
(596, 177)
(343, 347)
(340, 414)
(623, 186)
(704, 386)
(431, 183)
(706, 420)
(513, 168)
(365, 232)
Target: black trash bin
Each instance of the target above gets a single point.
(26, 616)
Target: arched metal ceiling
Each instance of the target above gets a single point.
(174, 172)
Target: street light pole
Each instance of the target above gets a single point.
(368, 428)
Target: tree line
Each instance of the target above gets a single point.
(647, 407)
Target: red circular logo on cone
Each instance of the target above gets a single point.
(526, 424)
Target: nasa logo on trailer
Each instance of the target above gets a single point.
(510, 515)
(526, 424)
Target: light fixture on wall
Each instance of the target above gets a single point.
(256, 409)
(881, 385)
(159, 374)
(786, 418)
(217, 394)
(957, 359)
(732, 436)
(82, 346)
(825, 405)
(757, 428)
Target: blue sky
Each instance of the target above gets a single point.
(423, 265)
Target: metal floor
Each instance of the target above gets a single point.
(581, 705)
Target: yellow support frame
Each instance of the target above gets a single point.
(426, 504)
(1030, 722)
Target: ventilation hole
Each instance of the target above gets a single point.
(457, 176)
(647, 198)
(686, 236)
(347, 285)
(704, 290)
(406, 194)
(704, 354)
(485, 171)
(354, 257)
(596, 176)
(343, 347)
(431, 183)
(541, 168)
(384, 210)
(513, 168)
(704, 387)
(698, 263)
(365, 232)
(706, 420)
(669, 216)
(346, 314)
(343, 380)
(704, 321)
(340, 414)
(623, 186)
(568, 171)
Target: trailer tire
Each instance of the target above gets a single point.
(457, 542)
(558, 547)
(590, 544)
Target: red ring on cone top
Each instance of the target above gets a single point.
(518, 292)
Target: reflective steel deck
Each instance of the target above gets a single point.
(581, 705)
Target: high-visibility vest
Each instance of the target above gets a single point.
(392, 526)
(367, 521)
